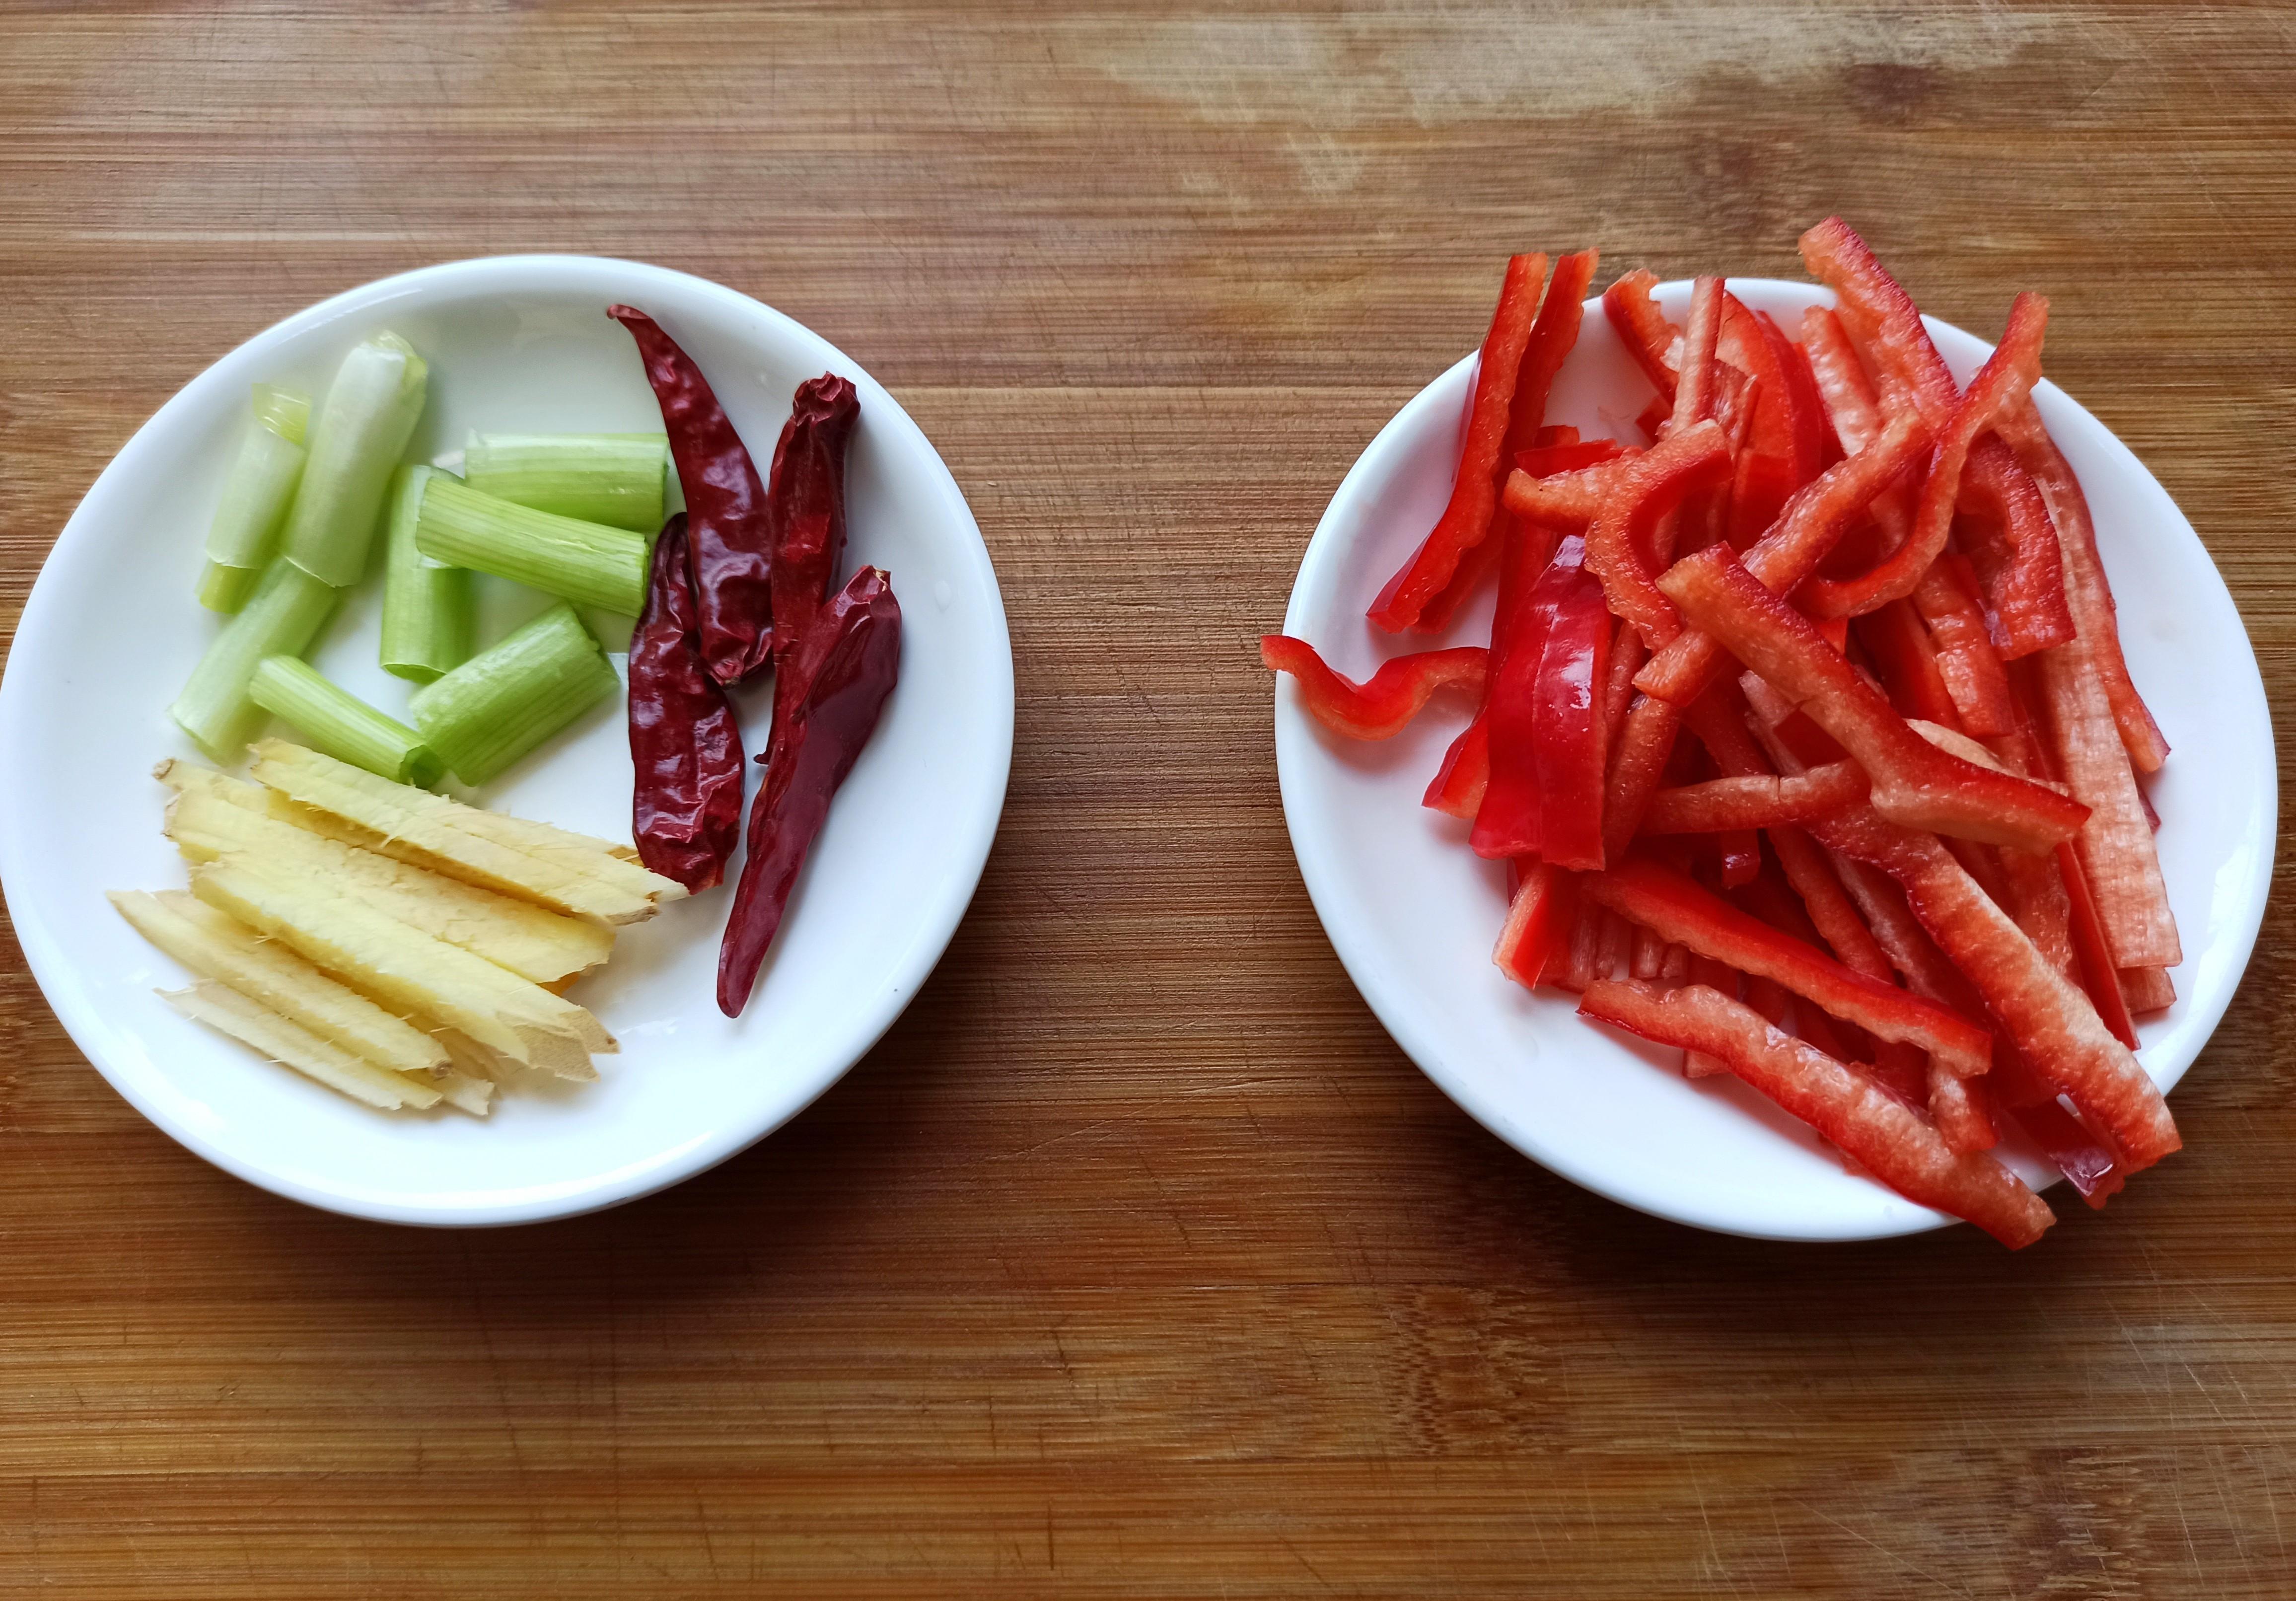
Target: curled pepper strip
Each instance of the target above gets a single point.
(1813, 520)
(1884, 1138)
(1677, 907)
(1755, 800)
(2054, 1025)
(1630, 495)
(1915, 783)
(732, 551)
(686, 740)
(1381, 707)
(1466, 519)
(2002, 383)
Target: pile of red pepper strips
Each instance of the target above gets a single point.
(1805, 729)
(743, 580)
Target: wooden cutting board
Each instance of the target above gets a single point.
(1137, 1261)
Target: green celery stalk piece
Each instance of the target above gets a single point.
(586, 562)
(618, 479)
(429, 610)
(282, 618)
(256, 495)
(337, 723)
(502, 703)
(356, 440)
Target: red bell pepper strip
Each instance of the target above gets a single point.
(1905, 658)
(2148, 989)
(1883, 1137)
(1542, 714)
(1631, 493)
(1760, 488)
(1466, 774)
(1971, 669)
(1570, 732)
(686, 740)
(1475, 568)
(1649, 959)
(1762, 800)
(2087, 593)
(2019, 559)
(1646, 742)
(2077, 1153)
(1553, 433)
(2054, 1026)
(1381, 708)
(1643, 328)
(1852, 405)
(2093, 952)
(1914, 781)
(1534, 947)
(1679, 909)
(2115, 845)
(1816, 446)
(1467, 519)
(1784, 557)
(851, 677)
(2003, 382)
(730, 542)
(1698, 378)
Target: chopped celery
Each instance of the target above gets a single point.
(357, 437)
(337, 723)
(502, 703)
(616, 479)
(429, 617)
(281, 618)
(255, 496)
(587, 562)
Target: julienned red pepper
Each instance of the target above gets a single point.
(732, 551)
(854, 659)
(805, 515)
(1882, 1135)
(1678, 909)
(1535, 944)
(686, 740)
(1915, 783)
(1467, 519)
(2056, 1028)
(1967, 662)
(1754, 800)
(1905, 658)
(1524, 730)
(2003, 382)
(1569, 727)
(1643, 329)
(1380, 709)
(1813, 522)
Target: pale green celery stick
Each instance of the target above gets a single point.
(586, 562)
(337, 723)
(616, 479)
(281, 618)
(245, 533)
(502, 703)
(356, 440)
(429, 614)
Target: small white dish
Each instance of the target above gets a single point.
(1412, 913)
(514, 344)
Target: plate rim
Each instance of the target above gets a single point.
(1294, 736)
(618, 1185)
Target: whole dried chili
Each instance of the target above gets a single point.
(726, 533)
(686, 740)
(853, 656)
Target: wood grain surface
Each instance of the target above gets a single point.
(1137, 1261)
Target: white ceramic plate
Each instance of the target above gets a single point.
(1413, 913)
(516, 344)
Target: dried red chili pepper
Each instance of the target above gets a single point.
(805, 515)
(854, 654)
(732, 547)
(686, 740)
